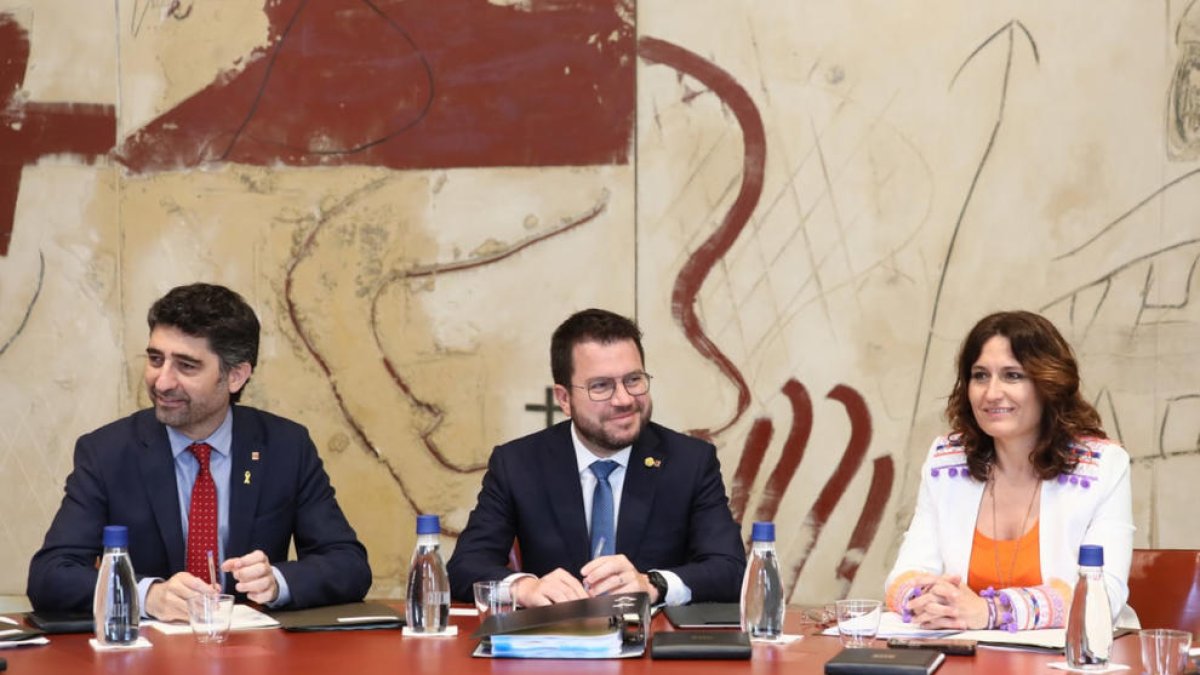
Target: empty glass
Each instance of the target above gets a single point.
(210, 615)
(858, 621)
(493, 597)
(1165, 652)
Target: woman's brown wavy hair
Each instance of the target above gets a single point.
(1050, 365)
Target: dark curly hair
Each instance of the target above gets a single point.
(1051, 366)
(217, 314)
(598, 325)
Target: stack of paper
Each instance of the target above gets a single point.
(12, 634)
(245, 617)
(587, 639)
(892, 625)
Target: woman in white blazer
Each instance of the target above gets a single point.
(1024, 478)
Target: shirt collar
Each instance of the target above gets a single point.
(220, 440)
(584, 457)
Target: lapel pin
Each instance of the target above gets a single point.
(246, 480)
(652, 463)
(254, 456)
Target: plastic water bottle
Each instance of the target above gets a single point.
(762, 593)
(428, 604)
(115, 608)
(1089, 626)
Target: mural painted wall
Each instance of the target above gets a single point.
(805, 204)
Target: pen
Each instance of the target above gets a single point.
(212, 569)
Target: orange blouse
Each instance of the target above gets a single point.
(987, 554)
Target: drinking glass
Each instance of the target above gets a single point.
(1165, 652)
(210, 615)
(858, 621)
(493, 597)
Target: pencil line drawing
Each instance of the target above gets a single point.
(1009, 32)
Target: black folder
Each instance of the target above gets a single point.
(61, 622)
(350, 616)
(705, 615)
(700, 644)
(869, 661)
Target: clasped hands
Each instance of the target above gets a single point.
(947, 602)
(167, 600)
(603, 575)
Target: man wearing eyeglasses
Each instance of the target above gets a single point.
(607, 501)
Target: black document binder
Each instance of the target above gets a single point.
(629, 612)
(349, 616)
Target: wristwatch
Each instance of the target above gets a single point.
(659, 582)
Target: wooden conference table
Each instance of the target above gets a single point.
(267, 652)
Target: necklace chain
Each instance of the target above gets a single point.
(1012, 568)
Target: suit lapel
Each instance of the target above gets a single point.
(157, 466)
(250, 459)
(560, 475)
(637, 494)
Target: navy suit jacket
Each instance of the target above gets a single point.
(674, 514)
(125, 475)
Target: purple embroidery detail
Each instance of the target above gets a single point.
(953, 472)
(1062, 479)
(1074, 480)
(933, 472)
(1085, 483)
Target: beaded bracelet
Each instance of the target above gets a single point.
(1008, 620)
(1037, 612)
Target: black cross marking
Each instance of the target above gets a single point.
(549, 407)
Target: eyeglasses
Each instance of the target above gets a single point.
(602, 389)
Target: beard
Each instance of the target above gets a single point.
(595, 433)
(172, 417)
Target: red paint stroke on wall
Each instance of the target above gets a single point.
(698, 266)
(753, 452)
(883, 475)
(835, 487)
(412, 84)
(32, 130)
(793, 450)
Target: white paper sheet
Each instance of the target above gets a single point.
(245, 617)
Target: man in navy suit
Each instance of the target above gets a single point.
(652, 516)
(144, 472)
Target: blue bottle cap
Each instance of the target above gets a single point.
(1091, 555)
(116, 536)
(427, 524)
(763, 531)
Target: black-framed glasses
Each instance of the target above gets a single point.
(602, 389)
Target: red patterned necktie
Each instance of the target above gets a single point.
(202, 516)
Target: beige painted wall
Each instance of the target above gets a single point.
(903, 199)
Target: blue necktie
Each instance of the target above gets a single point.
(603, 539)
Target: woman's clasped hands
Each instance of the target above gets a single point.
(945, 602)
